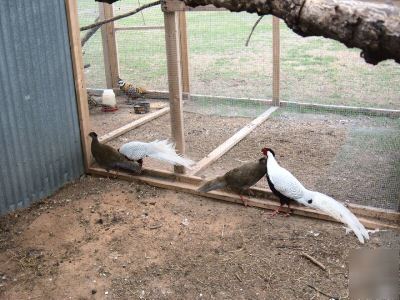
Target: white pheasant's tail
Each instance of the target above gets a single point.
(165, 151)
(339, 212)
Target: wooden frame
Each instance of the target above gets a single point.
(184, 52)
(371, 217)
(173, 49)
(138, 28)
(276, 56)
(132, 125)
(79, 79)
(110, 51)
(231, 142)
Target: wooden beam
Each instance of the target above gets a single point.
(124, 129)
(138, 28)
(370, 111)
(232, 141)
(275, 61)
(172, 41)
(177, 182)
(184, 53)
(110, 51)
(294, 104)
(359, 210)
(79, 79)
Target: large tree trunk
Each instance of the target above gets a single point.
(373, 25)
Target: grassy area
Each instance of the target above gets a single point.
(313, 69)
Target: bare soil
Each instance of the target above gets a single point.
(350, 158)
(107, 239)
(105, 122)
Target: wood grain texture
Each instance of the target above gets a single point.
(172, 41)
(276, 56)
(79, 79)
(110, 51)
(190, 184)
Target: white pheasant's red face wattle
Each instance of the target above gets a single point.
(265, 151)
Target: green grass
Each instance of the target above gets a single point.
(313, 69)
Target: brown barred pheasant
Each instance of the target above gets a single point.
(130, 90)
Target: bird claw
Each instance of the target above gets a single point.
(278, 211)
(244, 200)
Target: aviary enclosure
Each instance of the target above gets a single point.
(333, 119)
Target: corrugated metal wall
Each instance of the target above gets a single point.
(40, 148)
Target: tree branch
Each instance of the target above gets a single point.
(97, 24)
(252, 30)
(90, 33)
(370, 25)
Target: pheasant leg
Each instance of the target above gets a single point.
(288, 212)
(276, 212)
(140, 161)
(279, 210)
(244, 200)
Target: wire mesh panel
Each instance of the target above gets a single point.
(141, 48)
(350, 154)
(329, 73)
(222, 65)
(88, 11)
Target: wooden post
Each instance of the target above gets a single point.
(79, 79)
(275, 61)
(184, 54)
(172, 40)
(110, 51)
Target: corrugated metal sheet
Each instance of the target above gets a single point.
(39, 136)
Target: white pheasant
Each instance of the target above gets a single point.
(284, 185)
(161, 150)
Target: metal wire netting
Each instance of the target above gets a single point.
(350, 155)
(88, 11)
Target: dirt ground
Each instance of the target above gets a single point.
(327, 152)
(107, 239)
(103, 123)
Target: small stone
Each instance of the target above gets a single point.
(94, 291)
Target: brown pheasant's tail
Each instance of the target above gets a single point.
(128, 166)
(214, 184)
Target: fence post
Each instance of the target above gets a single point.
(184, 54)
(172, 41)
(110, 51)
(71, 7)
(275, 61)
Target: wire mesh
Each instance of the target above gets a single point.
(351, 155)
(223, 69)
(142, 52)
(330, 73)
(88, 11)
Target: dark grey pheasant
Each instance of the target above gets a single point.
(110, 159)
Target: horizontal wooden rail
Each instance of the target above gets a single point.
(189, 184)
(385, 112)
(138, 28)
(231, 142)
